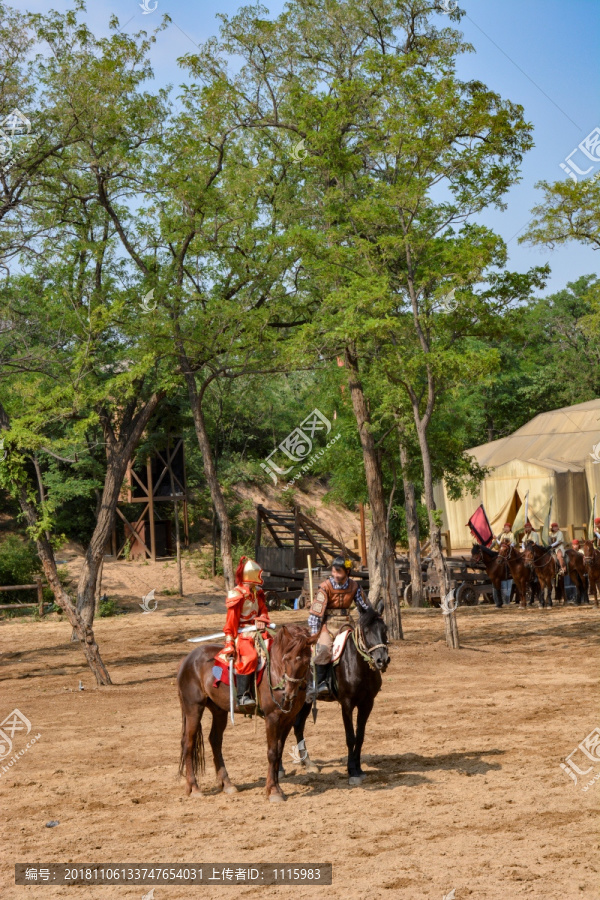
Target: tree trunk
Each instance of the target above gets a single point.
(412, 527)
(435, 531)
(98, 587)
(177, 535)
(211, 476)
(382, 571)
(118, 456)
(83, 631)
(422, 423)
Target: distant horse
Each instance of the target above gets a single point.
(520, 571)
(364, 658)
(541, 562)
(495, 566)
(281, 694)
(577, 574)
(591, 560)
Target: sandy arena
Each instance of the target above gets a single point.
(463, 750)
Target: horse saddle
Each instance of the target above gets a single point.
(339, 642)
(221, 674)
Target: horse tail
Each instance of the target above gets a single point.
(198, 758)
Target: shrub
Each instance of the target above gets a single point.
(19, 564)
(108, 608)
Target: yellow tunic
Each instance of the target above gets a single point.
(503, 537)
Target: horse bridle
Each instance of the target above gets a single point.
(588, 560)
(282, 681)
(361, 645)
(538, 565)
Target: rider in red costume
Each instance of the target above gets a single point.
(245, 606)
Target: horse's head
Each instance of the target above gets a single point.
(529, 551)
(476, 555)
(374, 631)
(292, 652)
(505, 550)
(588, 552)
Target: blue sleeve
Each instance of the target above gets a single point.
(360, 600)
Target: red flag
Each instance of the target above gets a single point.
(480, 527)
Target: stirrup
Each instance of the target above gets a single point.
(246, 700)
(323, 690)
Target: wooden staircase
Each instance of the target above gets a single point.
(299, 536)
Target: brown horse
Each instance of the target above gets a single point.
(542, 563)
(281, 694)
(520, 571)
(591, 561)
(496, 568)
(577, 573)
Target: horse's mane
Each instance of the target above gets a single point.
(297, 635)
(367, 616)
(486, 550)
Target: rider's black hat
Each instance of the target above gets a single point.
(341, 562)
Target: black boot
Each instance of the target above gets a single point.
(323, 680)
(323, 683)
(244, 695)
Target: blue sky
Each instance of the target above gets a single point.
(542, 54)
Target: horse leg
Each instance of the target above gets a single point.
(272, 788)
(219, 724)
(299, 724)
(364, 711)
(497, 596)
(281, 746)
(354, 774)
(192, 745)
(522, 594)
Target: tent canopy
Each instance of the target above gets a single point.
(555, 457)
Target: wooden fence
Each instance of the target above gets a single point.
(26, 587)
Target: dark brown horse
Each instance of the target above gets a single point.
(577, 574)
(495, 566)
(358, 674)
(281, 694)
(522, 574)
(591, 560)
(542, 563)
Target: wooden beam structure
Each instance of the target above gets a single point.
(162, 479)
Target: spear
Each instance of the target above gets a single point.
(221, 634)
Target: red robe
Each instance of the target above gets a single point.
(244, 603)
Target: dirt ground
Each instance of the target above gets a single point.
(464, 789)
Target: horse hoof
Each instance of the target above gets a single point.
(281, 773)
(276, 798)
(356, 780)
(311, 767)
(195, 794)
(229, 789)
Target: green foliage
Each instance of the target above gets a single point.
(108, 608)
(19, 562)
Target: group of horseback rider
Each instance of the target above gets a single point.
(329, 613)
(556, 541)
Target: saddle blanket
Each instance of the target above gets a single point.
(221, 674)
(339, 642)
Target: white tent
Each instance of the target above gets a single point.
(555, 457)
